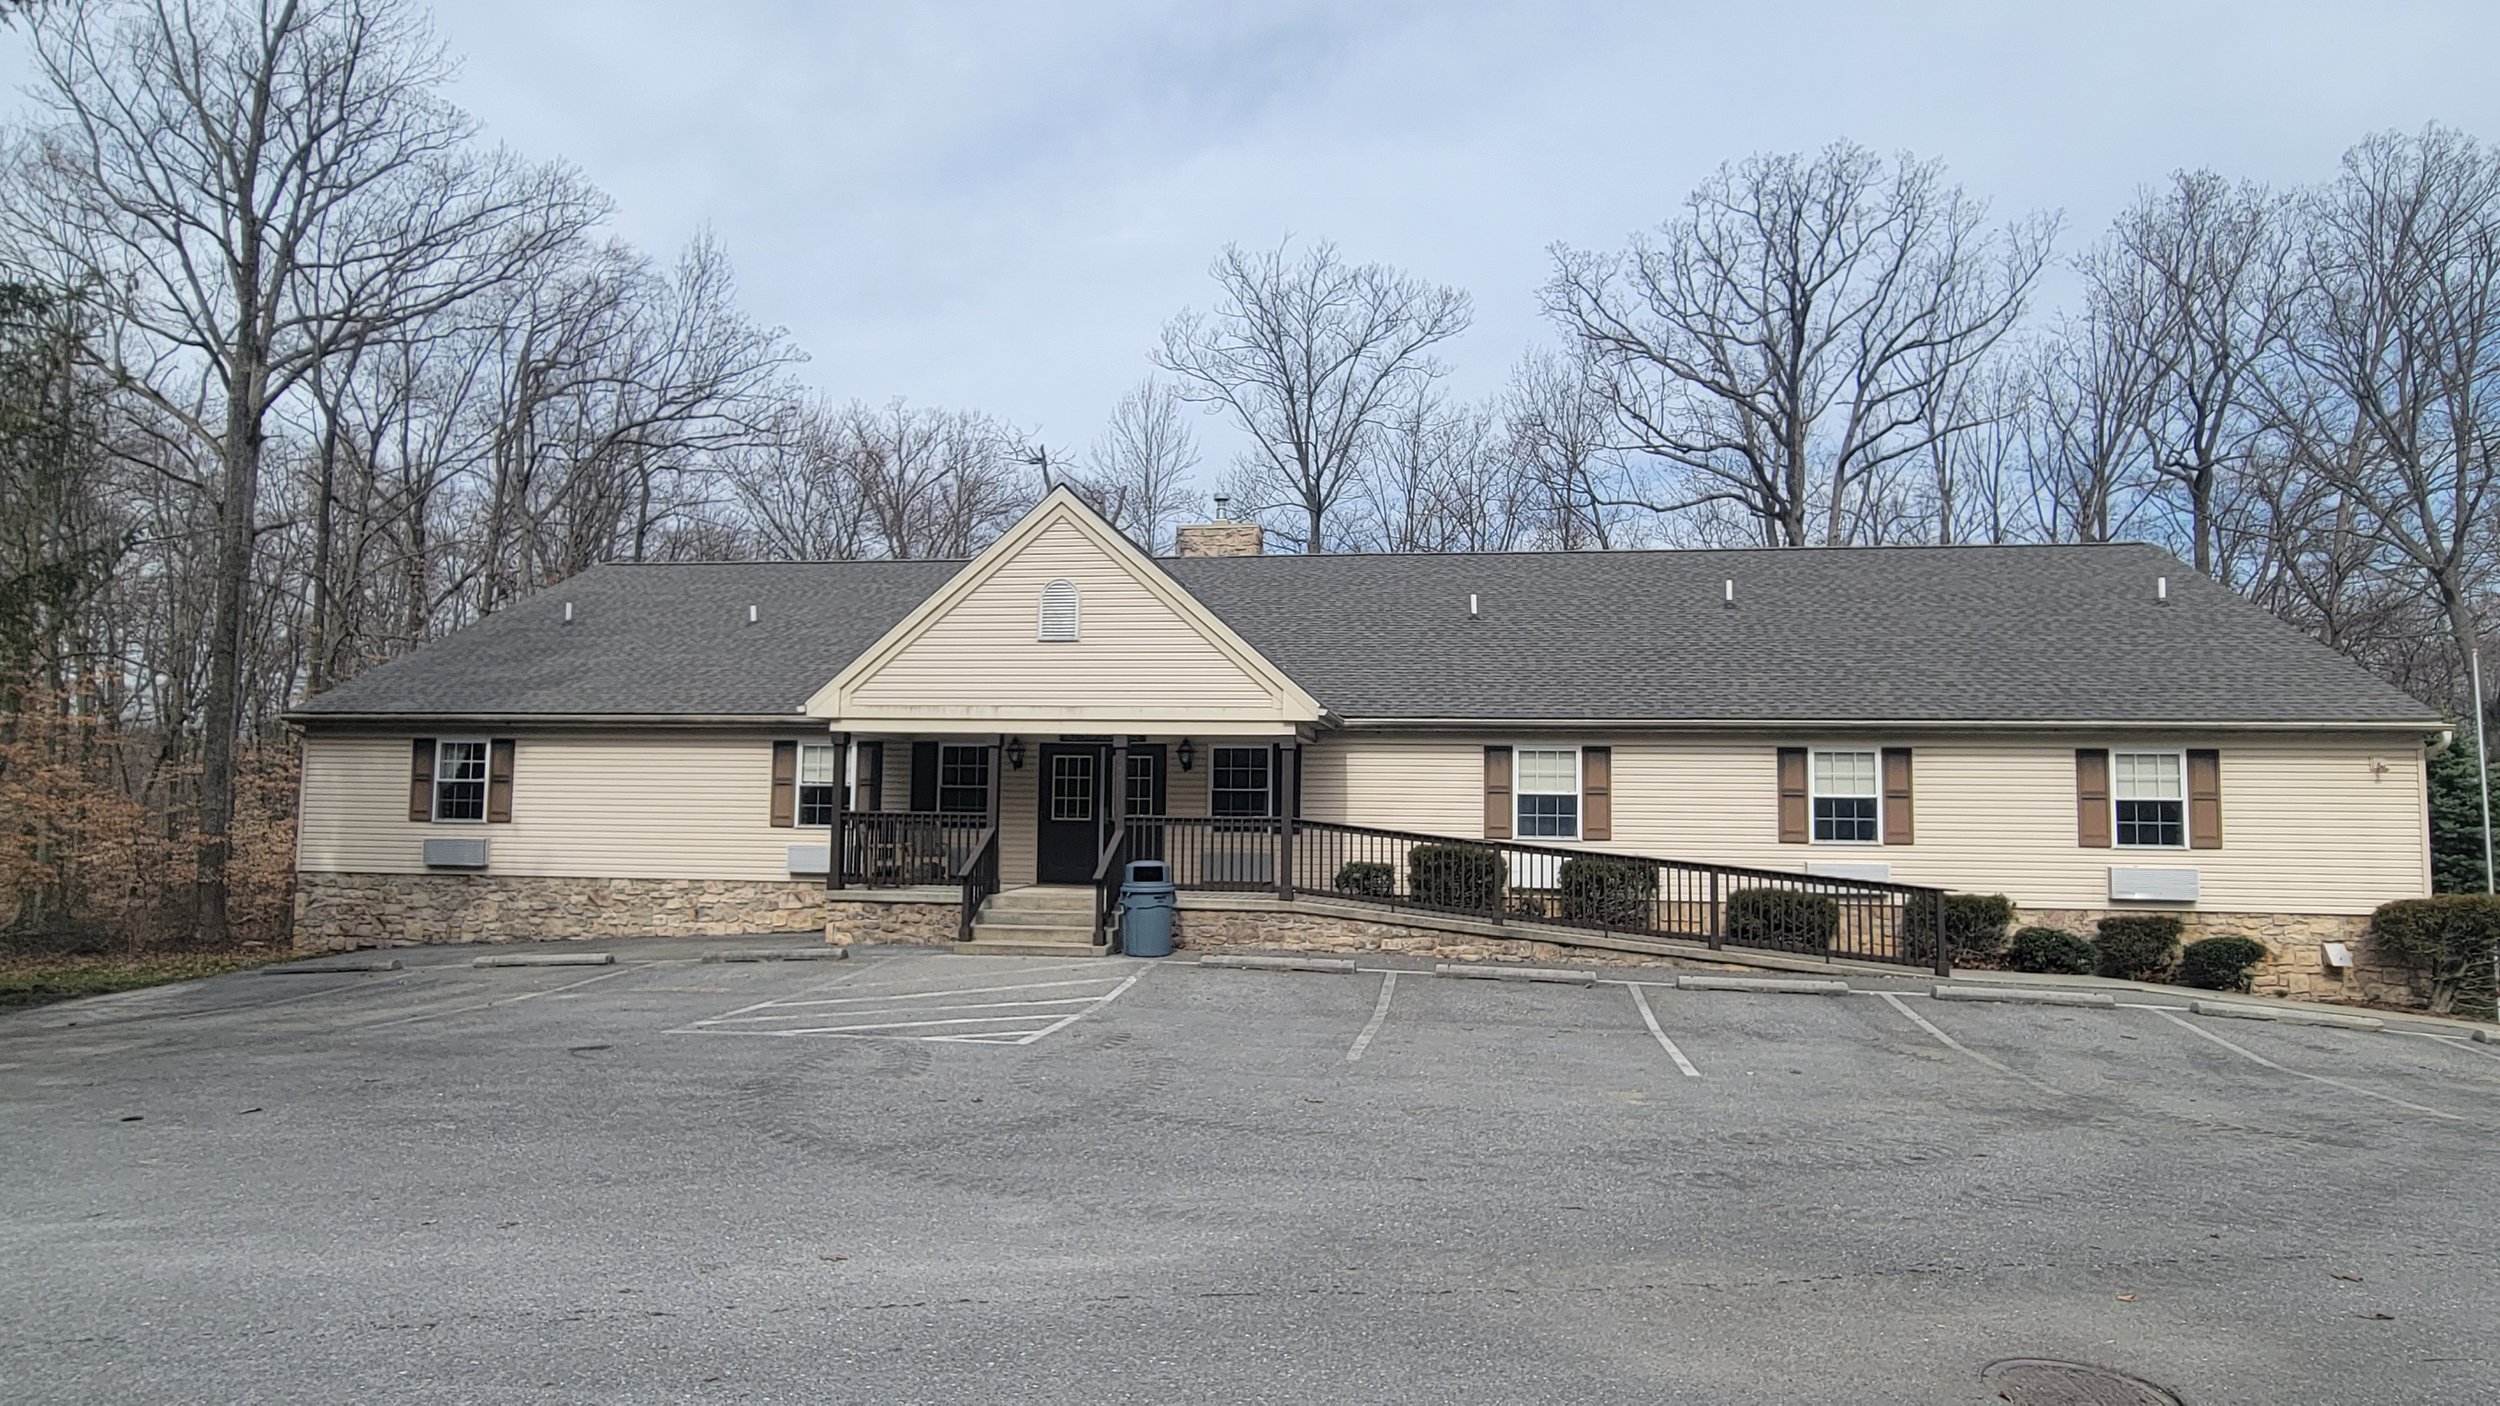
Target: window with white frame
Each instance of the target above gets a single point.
(1845, 798)
(964, 779)
(460, 779)
(819, 772)
(1059, 613)
(2149, 790)
(1239, 786)
(1545, 788)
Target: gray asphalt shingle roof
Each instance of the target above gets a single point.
(2030, 634)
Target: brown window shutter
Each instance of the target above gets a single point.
(2204, 792)
(421, 780)
(1597, 793)
(499, 781)
(2092, 797)
(1900, 816)
(785, 785)
(1793, 827)
(1497, 793)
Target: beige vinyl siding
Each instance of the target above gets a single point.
(657, 804)
(2309, 826)
(1136, 656)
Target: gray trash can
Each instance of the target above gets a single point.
(1147, 897)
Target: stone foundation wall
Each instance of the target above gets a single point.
(851, 924)
(334, 912)
(2295, 965)
(1216, 930)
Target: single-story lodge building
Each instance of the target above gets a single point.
(1791, 749)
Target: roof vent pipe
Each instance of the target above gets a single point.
(1471, 605)
(750, 615)
(1730, 595)
(568, 612)
(2161, 590)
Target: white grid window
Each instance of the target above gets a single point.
(1545, 787)
(1059, 613)
(2150, 792)
(1845, 798)
(817, 773)
(460, 779)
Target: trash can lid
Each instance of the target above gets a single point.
(1147, 871)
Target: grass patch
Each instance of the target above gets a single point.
(36, 981)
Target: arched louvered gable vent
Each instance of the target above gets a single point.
(1058, 611)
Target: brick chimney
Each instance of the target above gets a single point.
(1221, 538)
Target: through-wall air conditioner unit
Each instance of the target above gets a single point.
(455, 854)
(808, 859)
(2152, 885)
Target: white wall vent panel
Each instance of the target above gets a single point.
(2152, 885)
(1059, 613)
(808, 859)
(455, 854)
(1840, 869)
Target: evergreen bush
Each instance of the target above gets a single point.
(2039, 949)
(2450, 942)
(2220, 963)
(1606, 892)
(2138, 946)
(1365, 879)
(1789, 919)
(1460, 878)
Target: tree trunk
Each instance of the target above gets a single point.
(222, 711)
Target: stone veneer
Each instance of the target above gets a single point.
(2295, 965)
(335, 912)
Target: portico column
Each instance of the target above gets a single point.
(834, 834)
(1287, 754)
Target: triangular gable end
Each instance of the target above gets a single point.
(1147, 656)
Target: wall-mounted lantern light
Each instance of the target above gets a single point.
(1015, 753)
(1187, 753)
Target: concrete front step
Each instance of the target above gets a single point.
(1033, 918)
(993, 945)
(1039, 898)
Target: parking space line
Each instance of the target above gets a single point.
(921, 995)
(1950, 1043)
(1380, 1017)
(2461, 1042)
(2349, 1088)
(1065, 1021)
(1649, 1018)
(902, 1015)
(499, 1001)
(908, 1010)
(847, 980)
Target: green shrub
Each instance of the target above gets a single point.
(1365, 879)
(1462, 878)
(1783, 918)
(2450, 943)
(2219, 963)
(2138, 946)
(2038, 949)
(1976, 922)
(1611, 893)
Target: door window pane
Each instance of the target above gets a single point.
(1141, 784)
(1071, 786)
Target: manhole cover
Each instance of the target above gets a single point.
(2034, 1381)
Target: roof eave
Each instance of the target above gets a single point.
(2423, 724)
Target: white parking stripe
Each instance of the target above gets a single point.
(928, 1015)
(1380, 1017)
(1950, 1043)
(2249, 1054)
(1650, 1019)
(2459, 1042)
(906, 1010)
(923, 995)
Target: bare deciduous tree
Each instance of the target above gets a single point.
(1138, 472)
(255, 188)
(1310, 357)
(1781, 342)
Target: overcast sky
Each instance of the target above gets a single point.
(997, 206)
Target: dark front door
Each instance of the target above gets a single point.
(1068, 831)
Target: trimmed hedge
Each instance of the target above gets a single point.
(1365, 879)
(2449, 941)
(1787, 919)
(2138, 946)
(2220, 963)
(1975, 921)
(1607, 892)
(1460, 878)
(2038, 949)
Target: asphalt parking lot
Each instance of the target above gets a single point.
(920, 1177)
